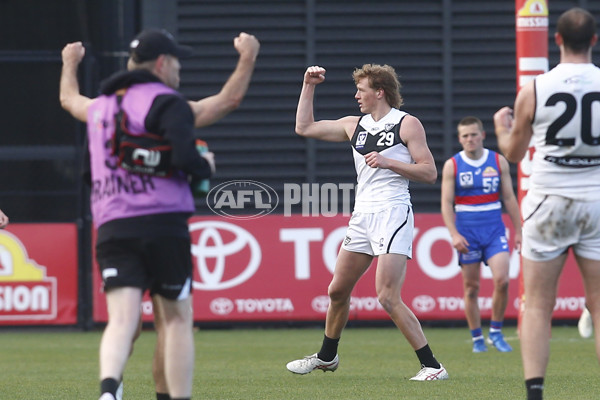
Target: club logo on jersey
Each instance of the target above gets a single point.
(361, 139)
(466, 179)
(489, 171)
(389, 127)
(577, 80)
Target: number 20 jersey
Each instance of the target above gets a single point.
(566, 133)
(379, 188)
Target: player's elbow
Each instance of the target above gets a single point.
(512, 153)
(432, 179)
(301, 130)
(514, 158)
(430, 176)
(65, 102)
(234, 102)
(230, 104)
(68, 105)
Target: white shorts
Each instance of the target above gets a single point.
(387, 231)
(552, 224)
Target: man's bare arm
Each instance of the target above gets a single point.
(514, 132)
(329, 130)
(211, 109)
(70, 98)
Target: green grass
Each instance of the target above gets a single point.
(375, 363)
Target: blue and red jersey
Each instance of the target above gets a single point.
(477, 188)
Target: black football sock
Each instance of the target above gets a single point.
(535, 388)
(109, 385)
(426, 357)
(328, 349)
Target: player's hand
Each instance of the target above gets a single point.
(73, 53)
(376, 160)
(247, 45)
(314, 75)
(460, 243)
(518, 240)
(3, 220)
(503, 120)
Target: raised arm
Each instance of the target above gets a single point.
(514, 132)
(329, 130)
(211, 109)
(70, 98)
(510, 200)
(423, 169)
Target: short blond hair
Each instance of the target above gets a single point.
(382, 77)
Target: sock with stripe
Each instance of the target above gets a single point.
(535, 388)
(495, 327)
(477, 334)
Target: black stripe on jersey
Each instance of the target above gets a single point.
(398, 230)
(365, 142)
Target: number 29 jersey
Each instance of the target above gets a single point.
(378, 189)
(566, 133)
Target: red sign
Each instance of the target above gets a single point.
(531, 26)
(38, 274)
(277, 268)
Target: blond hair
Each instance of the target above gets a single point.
(382, 77)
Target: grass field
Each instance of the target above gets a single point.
(375, 363)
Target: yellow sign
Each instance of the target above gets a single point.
(15, 264)
(534, 8)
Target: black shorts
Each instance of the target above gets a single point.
(162, 265)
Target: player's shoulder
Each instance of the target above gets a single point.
(449, 165)
(349, 122)
(411, 126)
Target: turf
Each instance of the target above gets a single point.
(375, 363)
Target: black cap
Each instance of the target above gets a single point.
(151, 43)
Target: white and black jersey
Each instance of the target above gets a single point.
(378, 188)
(566, 133)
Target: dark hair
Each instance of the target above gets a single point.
(470, 121)
(577, 28)
(381, 77)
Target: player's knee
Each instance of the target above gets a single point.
(501, 284)
(388, 301)
(472, 290)
(338, 294)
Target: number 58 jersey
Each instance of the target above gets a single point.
(477, 189)
(566, 132)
